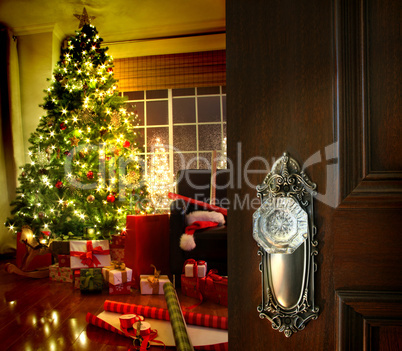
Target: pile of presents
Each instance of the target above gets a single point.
(95, 265)
(197, 282)
(92, 265)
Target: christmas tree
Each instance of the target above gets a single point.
(85, 170)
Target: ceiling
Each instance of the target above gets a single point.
(118, 20)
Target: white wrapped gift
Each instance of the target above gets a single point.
(152, 286)
(201, 269)
(117, 276)
(89, 254)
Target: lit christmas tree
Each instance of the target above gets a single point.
(159, 178)
(84, 169)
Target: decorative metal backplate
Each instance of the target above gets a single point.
(284, 230)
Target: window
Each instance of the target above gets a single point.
(189, 122)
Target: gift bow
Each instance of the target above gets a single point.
(195, 265)
(212, 277)
(88, 258)
(154, 280)
(91, 279)
(118, 265)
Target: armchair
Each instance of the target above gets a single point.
(211, 243)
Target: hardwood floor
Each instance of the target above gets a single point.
(37, 314)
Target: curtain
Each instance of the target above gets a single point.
(11, 137)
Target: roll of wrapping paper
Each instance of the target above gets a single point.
(179, 327)
(203, 320)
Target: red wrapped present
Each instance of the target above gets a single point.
(60, 274)
(118, 240)
(76, 279)
(191, 287)
(147, 242)
(120, 289)
(117, 253)
(215, 287)
(64, 260)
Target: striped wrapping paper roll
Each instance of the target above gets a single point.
(91, 319)
(203, 320)
(179, 328)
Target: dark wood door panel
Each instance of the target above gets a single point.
(369, 86)
(369, 320)
(367, 248)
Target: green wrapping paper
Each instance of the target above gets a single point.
(181, 338)
(91, 279)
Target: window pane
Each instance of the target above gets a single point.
(134, 95)
(138, 109)
(209, 137)
(157, 94)
(184, 138)
(207, 90)
(209, 109)
(224, 89)
(157, 112)
(154, 133)
(204, 160)
(184, 161)
(184, 110)
(139, 133)
(183, 92)
(224, 108)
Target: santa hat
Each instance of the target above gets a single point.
(187, 242)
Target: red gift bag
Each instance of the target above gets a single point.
(147, 242)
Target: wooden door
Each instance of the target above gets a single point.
(321, 80)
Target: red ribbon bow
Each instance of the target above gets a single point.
(88, 258)
(195, 265)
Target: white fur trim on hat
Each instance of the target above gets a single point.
(187, 242)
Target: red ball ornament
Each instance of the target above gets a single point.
(59, 184)
(90, 175)
(62, 126)
(126, 144)
(110, 198)
(110, 69)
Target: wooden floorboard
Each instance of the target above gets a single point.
(37, 314)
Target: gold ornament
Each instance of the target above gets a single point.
(90, 198)
(84, 18)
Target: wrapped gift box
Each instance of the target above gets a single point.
(147, 242)
(190, 286)
(116, 276)
(118, 240)
(117, 253)
(192, 266)
(120, 289)
(64, 260)
(215, 288)
(89, 253)
(152, 288)
(60, 274)
(91, 279)
(76, 278)
(60, 247)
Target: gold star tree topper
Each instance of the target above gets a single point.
(84, 18)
